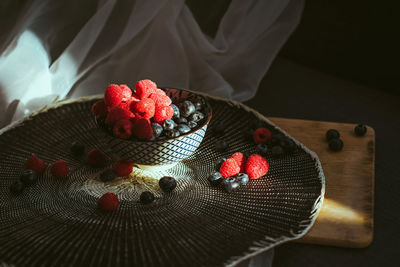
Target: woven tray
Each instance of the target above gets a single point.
(57, 223)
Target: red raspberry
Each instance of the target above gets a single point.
(108, 202)
(229, 168)
(256, 166)
(261, 136)
(35, 164)
(99, 109)
(59, 169)
(116, 114)
(126, 104)
(144, 108)
(113, 95)
(123, 129)
(141, 128)
(162, 113)
(96, 158)
(160, 91)
(126, 92)
(240, 159)
(160, 100)
(144, 88)
(123, 167)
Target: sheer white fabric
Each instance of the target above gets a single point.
(53, 49)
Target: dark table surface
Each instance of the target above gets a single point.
(293, 91)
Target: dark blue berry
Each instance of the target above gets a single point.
(192, 124)
(197, 104)
(157, 129)
(172, 133)
(360, 130)
(77, 149)
(168, 124)
(146, 197)
(277, 151)
(262, 148)
(167, 184)
(107, 175)
(218, 129)
(219, 162)
(177, 112)
(183, 128)
(242, 178)
(215, 178)
(181, 120)
(288, 145)
(221, 145)
(196, 116)
(331, 134)
(276, 139)
(335, 144)
(29, 177)
(17, 188)
(231, 184)
(187, 108)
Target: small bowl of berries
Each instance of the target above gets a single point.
(155, 128)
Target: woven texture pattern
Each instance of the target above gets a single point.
(57, 223)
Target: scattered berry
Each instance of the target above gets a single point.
(123, 167)
(360, 130)
(230, 167)
(35, 164)
(276, 139)
(145, 108)
(107, 175)
(163, 113)
(144, 88)
(231, 184)
(336, 144)
(215, 178)
(99, 109)
(331, 134)
(167, 184)
(157, 129)
(96, 158)
(108, 202)
(17, 188)
(77, 149)
(261, 136)
(59, 169)
(29, 177)
(123, 129)
(277, 151)
(142, 129)
(288, 145)
(240, 159)
(113, 95)
(116, 114)
(242, 178)
(256, 166)
(219, 162)
(187, 108)
(221, 145)
(146, 197)
(262, 149)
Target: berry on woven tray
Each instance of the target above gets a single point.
(36, 164)
(261, 135)
(108, 202)
(96, 158)
(59, 169)
(256, 166)
(229, 167)
(240, 159)
(123, 167)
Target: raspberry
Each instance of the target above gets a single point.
(144, 88)
(160, 91)
(126, 104)
(240, 159)
(113, 95)
(163, 113)
(123, 167)
(126, 92)
(256, 166)
(96, 158)
(261, 135)
(135, 98)
(229, 168)
(99, 109)
(35, 164)
(108, 202)
(123, 129)
(116, 114)
(59, 169)
(142, 129)
(144, 108)
(160, 100)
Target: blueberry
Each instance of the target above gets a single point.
(181, 120)
(221, 145)
(187, 108)
(177, 112)
(288, 145)
(196, 116)
(262, 148)
(77, 149)
(276, 139)
(215, 178)
(335, 144)
(360, 130)
(107, 175)
(242, 178)
(331, 134)
(146, 197)
(197, 104)
(231, 184)
(172, 133)
(219, 128)
(168, 124)
(167, 184)
(219, 163)
(183, 128)
(29, 177)
(17, 188)
(277, 151)
(192, 124)
(157, 129)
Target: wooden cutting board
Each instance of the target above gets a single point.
(346, 218)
